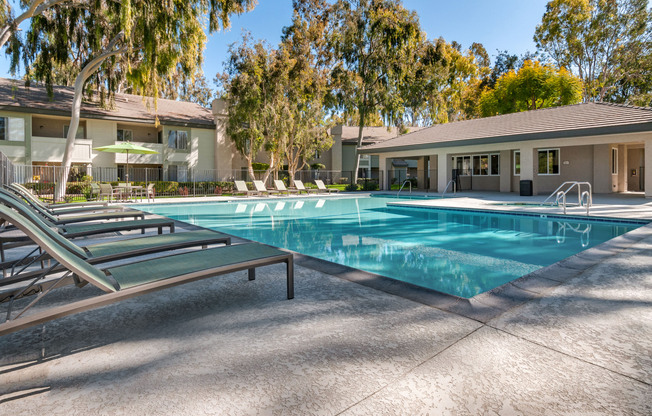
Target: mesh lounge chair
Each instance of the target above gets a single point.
(301, 188)
(57, 220)
(79, 230)
(62, 209)
(114, 250)
(280, 187)
(241, 188)
(260, 187)
(134, 279)
(322, 188)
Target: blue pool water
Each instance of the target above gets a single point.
(457, 252)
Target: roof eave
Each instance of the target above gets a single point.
(596, 131)
(98, 116)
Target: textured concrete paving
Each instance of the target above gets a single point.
(580, 344)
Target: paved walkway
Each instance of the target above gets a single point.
(581, 343)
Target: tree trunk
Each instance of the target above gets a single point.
(84, 74)
(35, 8)
(357, 155)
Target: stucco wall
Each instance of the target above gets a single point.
(575, 164)
(53, 127)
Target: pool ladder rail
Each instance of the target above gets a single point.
(584, 198)
(403, 185)
(450, 184)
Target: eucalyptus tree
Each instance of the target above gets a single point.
(142, 41)
(367, 41)
(593, 39)
(305, 86)
(252, 85)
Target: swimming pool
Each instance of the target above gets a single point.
(462, 253)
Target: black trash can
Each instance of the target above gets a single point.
(526, 188)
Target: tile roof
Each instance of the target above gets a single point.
(14, 96)
(557, 122)
(371, 135)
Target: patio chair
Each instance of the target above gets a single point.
(299, 185)
(322, 188)
(280, 187)
(107, 191)
(112, 250)
(61, 209)
(241, 188)
(61, 220)
(260, 187)
(129, 280)
(95, 191)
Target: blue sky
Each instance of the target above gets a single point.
(497, 24)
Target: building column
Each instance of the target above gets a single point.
(384, 165)
(648, 168)
(422, 172)
(443, 171)
(505, 164)
(434, 159)
(223, 148)
(622, 167)
(529, 166)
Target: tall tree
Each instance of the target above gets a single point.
(253, 87)
(592, 37)
(305, 86)
(140, 40)
(534, 86)
(367, 39)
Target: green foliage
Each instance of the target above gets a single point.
(534, 86)
(352, 187)
(260, 166)
(370, 43)
(597, 38)
(317, 166)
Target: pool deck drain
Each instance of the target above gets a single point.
(572, 338)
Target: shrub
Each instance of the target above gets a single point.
(260, 166)
(351, 187)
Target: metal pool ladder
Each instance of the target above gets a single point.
(404, 182)
(451, 182)
(584, 198)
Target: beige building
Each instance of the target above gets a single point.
(34, 126)
(606, 145)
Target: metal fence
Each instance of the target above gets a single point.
(172, 181)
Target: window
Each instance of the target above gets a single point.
(178, 139)
(614, 161)
(125, 135)
(549, 162)
(478, 165)
(517, 163)
(12, 129)
(172, 173)
(495, 165)
(318, 154)
(78, 135)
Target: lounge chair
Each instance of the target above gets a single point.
(299, 185)
(322, 188)
(62, 209)
(115, 250)
(126, 281)
(260, 187)
(79, 230)
(280, 187)
(61, 220)
(241, 188)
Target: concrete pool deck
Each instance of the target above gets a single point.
(576, 338)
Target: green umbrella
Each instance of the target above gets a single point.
(126, 147)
